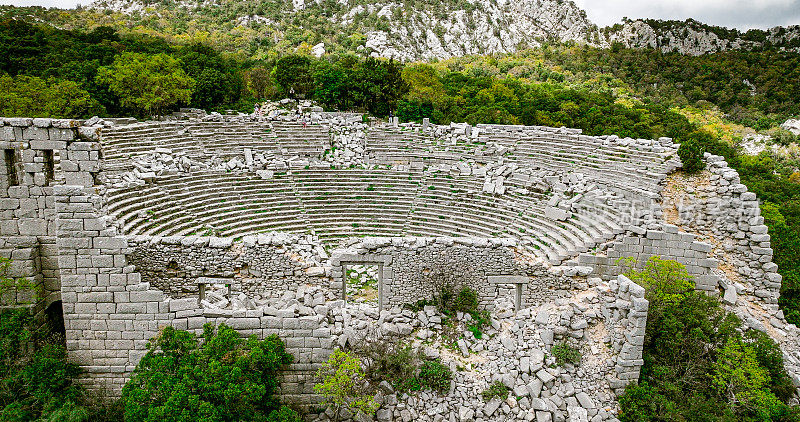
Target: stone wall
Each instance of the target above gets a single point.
(625, 313)
(261, 267)
(415, 268)
(110, 313)
(723, 211)
(39, 154)
(666, 242)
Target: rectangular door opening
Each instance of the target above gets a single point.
(362, 283)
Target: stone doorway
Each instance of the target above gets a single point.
(363, 283)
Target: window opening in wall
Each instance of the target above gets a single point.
(49, 166)
(10, 159)
(55, 321)
(362, 283)
(216, 292)
(511, 286)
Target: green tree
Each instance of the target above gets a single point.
(30, 96)
(742, 381)
(698, 366)
(225, 378)
(691, 154)
(293, 74)
(343, 384)
(665, 281)
(147, 84)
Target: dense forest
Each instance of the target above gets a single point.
(52, 72)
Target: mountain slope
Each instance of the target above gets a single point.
(404, 30)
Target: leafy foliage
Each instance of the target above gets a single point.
(343, 384)
(435, 376)
(697, 363)
(36, 381)
(147, 84)
(225, 378)
(565, 353)
(691, 156)
(665, 281)
(497, 390)
(30, 96)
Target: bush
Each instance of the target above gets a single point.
(691, 154)
(224, 378)
(435, 375)
(388, 359)
(698, 366)
(449, 303)
(343, 384)
(497, 390)
(565, 353)
(35, 379)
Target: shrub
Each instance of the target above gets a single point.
(388, 359)
(436, 376)
(343, 384)
(691, 154)
(466, 301)
(36, 381)
(565, 353)
(224, 378)
(697, 363)
(496, 390)
(665, 281)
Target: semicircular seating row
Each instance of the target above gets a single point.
(342, 203)
(201, 140)
(389, 202)
(634, 171)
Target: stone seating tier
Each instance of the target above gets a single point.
(341, 203)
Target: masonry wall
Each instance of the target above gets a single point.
(625, 314)
(265, 269)
(414, 268)
(35, 153)
(724, 210)
(110, 313)
(666, 242)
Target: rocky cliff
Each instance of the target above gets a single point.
(427, 29)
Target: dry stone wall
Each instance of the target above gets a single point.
(260, 266)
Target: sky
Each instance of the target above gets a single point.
(741, 14)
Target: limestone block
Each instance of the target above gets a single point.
(131, 308)
(32, 227)
(95, 297)
(35, 133)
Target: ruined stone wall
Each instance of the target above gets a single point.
(625, 314)
(666, 242)
(111, 314)
(264, 267)
(729, 217)
(37, 155)
(415, 268)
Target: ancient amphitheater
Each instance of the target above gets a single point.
(258, 222)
